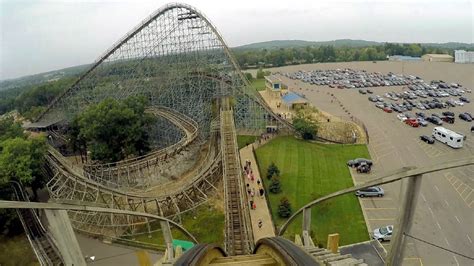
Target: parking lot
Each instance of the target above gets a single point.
(444, 210)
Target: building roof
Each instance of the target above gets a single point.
(42, 124)
(292, 98)
(273, 79)
(439, 55)
(404, 57)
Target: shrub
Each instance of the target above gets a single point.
(305, 126)
(275, 186)
(284, 209)
(272, 171)
(249, 76)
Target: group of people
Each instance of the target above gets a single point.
(251, 191)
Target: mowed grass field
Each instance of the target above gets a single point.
(205, 222)
(258, 84)
(309, 171)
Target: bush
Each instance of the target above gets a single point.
(249, 76)
(275, 185)
(305, 126)
(284, 209)
(261, 74)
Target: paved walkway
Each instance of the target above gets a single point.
(261, 212)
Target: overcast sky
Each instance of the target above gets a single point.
(38, 35)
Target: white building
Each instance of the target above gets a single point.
(461, 56)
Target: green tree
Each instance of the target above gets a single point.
(284, 209)
(21, 160)
(260, 73)
(272, 170)
(275, 185)
(305, 126)
(113, 130)
(10, 129)
(248, 76)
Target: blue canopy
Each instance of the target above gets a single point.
(292, 97)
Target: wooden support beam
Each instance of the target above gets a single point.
(333, 243)
(209, 183)
(405, 218)
(307, 219)
(190, 200)
(196, 187)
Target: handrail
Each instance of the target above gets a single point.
(37, 245)
(406, 172)
(83, 179)
(8, 204)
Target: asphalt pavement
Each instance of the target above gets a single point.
(444, 214)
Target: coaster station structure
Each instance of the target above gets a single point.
(178, 60)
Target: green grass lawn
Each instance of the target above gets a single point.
(205, 222)
(243, 140)
(258, 84)
(309, 171)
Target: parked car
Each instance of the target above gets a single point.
(420, 114)
(387, 109)
(358, 161)
(370, 192)
(435, 120)
(383, 233)
(422, 122)
(412, 122)
(369, 91)
(362, 91)
(427, 139)
(464, 99)
(448, 113)
(372, 99)
(448, 119)
(397, 109)
(402, 117)
(465, 117)
(363, 168)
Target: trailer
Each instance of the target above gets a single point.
(448, 137)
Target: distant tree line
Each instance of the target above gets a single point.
(31, 100)
(314, 54)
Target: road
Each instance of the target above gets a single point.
(109, 255)
(444, 214)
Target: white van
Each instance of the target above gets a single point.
(449, 137)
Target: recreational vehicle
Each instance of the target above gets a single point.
(449, 137)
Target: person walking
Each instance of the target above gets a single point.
(261, 191)
(260, 223)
